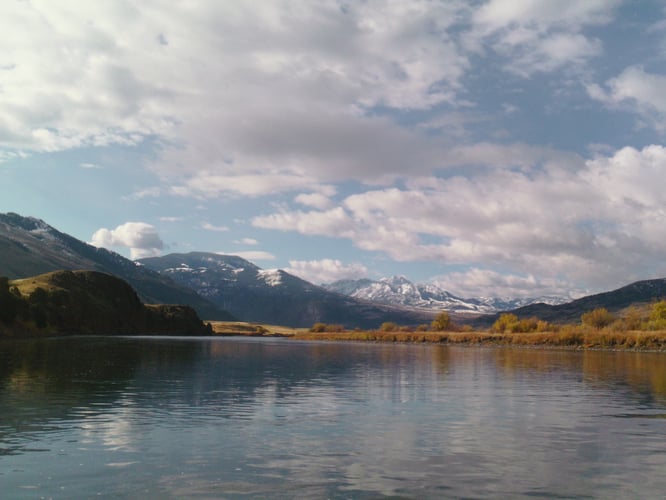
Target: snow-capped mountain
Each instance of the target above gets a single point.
(273, 295)
(398, 290)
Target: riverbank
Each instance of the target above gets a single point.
(571, 337)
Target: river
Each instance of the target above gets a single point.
(123, 417)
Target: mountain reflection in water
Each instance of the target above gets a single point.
(184, 417)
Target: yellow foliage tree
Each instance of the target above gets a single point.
(441, 322)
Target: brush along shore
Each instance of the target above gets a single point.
(572, 337)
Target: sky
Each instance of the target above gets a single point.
(508, 148)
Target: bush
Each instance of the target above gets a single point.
(441, 322)
(389, 326)
(504, 323)
(318, 328)
(658, 311)
(597, 318)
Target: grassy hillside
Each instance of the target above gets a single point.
(86, 302)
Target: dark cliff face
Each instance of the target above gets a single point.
(89, 302)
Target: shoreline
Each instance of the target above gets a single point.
(567, 339)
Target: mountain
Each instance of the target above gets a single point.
(274, 296)
(398, 290)
(29, 247)
(638, 293)
(87, 302)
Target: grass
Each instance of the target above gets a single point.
(240, 328)
(574, 337)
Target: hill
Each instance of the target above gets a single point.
(87, 302)
(29, 247)
(634, 294)
(274, 296)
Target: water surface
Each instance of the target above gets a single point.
(255, 418)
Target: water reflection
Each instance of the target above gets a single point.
(223, 417)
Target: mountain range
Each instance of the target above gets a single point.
(635, 294)
(218, 287)
(225, 287)
(29, 247)
(274, 296)
(399, 291)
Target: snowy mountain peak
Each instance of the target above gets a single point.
(398, 290)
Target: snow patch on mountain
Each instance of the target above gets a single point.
(272, 277)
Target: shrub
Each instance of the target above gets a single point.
(658, 311)
(318, 328)
(422, 328)
(597, 318)
(524, 326)
(441, 322)
(388, 326)
(504, 323)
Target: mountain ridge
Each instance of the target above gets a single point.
(274, 295)
(398, 290)
(29, 246)
(636, 293)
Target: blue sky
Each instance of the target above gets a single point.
(501, 147)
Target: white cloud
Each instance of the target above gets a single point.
(246, 241)
(334, 222)
(89, 165)
(210, 227)
(121, 72)
(483, 282)
(563, 222)
(142, 239)
(326, 270)
(315, 200)
(541, 35)
(314, 72)
(637, 90)
(251, 255)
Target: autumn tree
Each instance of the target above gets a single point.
(441, 322)
(597, 318)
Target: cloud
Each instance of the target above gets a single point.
(210, 227)
(142, 239)
(579, 221)
(251, 255)
(246, 241)
(334, 222)
(321, 79)
(310, 70)
(326, 270)
(540, 35)
(484, 282)
(637, 90)
(315, 200)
